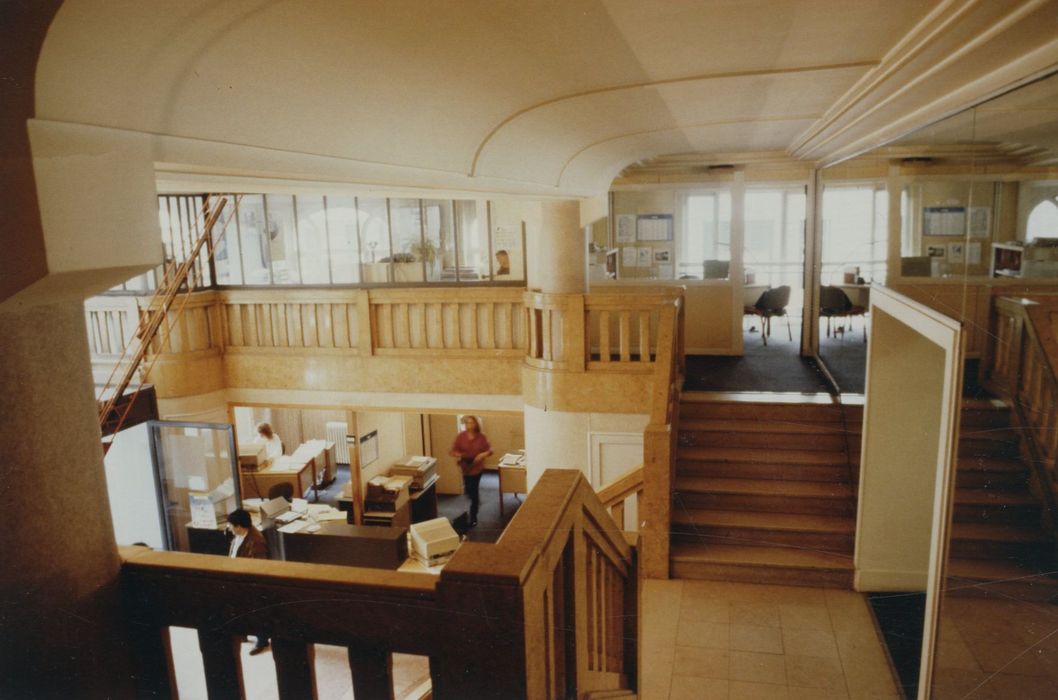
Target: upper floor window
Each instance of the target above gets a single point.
(855, 232)
(1043, 220)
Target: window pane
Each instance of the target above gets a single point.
(508, 243)
(474, 261)
(406, 231)
(345, 249)
(226, 247)
(374, 239)
(440, 240)
(312, 240)
(282, 239)
(704, 250)
(854, 233)
(253, 241)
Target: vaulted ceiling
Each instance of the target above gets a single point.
(541, 97)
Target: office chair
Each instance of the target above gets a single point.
(285, 490)
(773, 302)
(834, 302)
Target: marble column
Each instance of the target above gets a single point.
(557, 439)
(60, 621)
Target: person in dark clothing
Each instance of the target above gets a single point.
(248, 542)
(471, 448)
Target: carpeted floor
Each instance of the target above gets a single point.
(900, 617)
(775, 367)
(845, 356)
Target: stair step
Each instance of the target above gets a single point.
(991, 506)
(826, 533)
(760, 470)
(995, 473)
(999, 541)
(786, 565)
(755, 425)
(984, 413)
(769, 495)
(833, 440)
(744, 454)
(995, 578)
(987, 447)
(787, 412)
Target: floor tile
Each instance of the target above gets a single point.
(693, 633)
(810, 643)
(798, 693)
(688, 688)
(756, 691)
(813, 617)
(758, 668)
(705, 610)
(766, 640)
(759, 614)
(701, 662)
(814, 672)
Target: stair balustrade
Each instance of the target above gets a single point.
(548, 611)
(1021, 368)
(616, 495)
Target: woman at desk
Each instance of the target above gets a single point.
(273, 445)
(471, 448)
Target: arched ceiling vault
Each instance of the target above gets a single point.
(547, 97)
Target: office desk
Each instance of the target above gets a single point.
(287, 469)
(858, 294)
(347, 545)
(424, 501)
(512, 480)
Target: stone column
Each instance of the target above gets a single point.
(60, 621)
(553, 438)
(563, 255)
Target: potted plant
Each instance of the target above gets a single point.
(406, 268)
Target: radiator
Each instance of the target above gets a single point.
(337, 431)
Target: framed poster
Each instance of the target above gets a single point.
(368, 448)
(980, 222)
(654, 227)
(943, 221)
(626, 228)
(937, 251)
(956, 252)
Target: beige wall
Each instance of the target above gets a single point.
(506, 433)
(390, 427)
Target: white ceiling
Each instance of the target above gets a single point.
(529, 96)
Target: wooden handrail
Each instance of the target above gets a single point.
(1022, 369)
(614, 495)
(548, 611)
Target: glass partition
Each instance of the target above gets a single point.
(313, 243)
(978, 223)
(282, 239)
(343, 239)
(198, 485)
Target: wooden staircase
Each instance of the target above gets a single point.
(998, 545)
(765, 492)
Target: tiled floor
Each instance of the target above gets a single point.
(996, 648)
(705, 639)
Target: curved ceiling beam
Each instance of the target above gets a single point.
(657, 83)
(681, 127)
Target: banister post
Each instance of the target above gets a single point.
(221, 662)
(295, 671)
(372, 671)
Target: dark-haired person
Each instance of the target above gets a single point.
(471, 448)
(248, 542)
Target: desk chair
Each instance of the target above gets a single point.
(834, 302)
(751, 310)
(773, 302)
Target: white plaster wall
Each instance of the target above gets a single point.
(562, 439)
(131, 488)
(98, 202)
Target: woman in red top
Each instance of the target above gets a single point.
(471, 448)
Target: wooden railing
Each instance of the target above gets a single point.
(1021, 368)
(610, 330)
(450, 322)
(616, 497)
(659, 442)
(548, 611)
